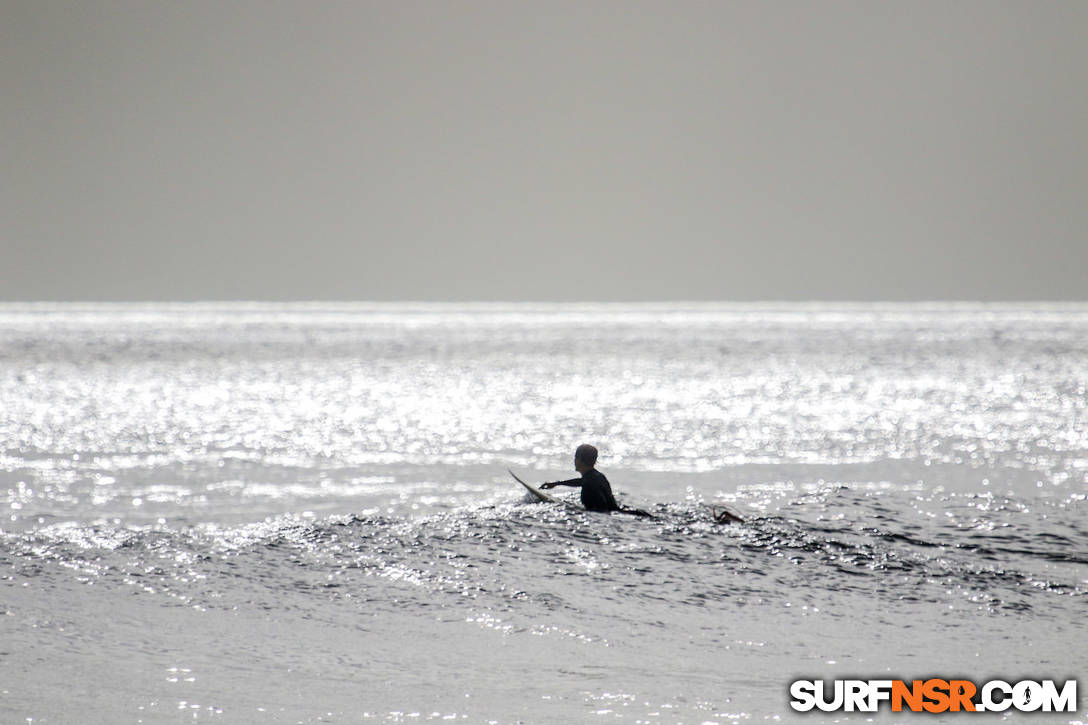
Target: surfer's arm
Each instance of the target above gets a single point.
(576, 482)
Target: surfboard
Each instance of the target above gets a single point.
(540, 495)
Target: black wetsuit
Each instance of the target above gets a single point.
(596, 491)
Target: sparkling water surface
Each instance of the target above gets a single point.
(301, 513)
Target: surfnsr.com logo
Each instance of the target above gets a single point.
(933, 695)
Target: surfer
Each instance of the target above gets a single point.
(725, 516)
(596, 491)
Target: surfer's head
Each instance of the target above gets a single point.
(585, 456)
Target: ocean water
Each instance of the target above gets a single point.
(250, 513)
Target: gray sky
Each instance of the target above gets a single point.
(544, 150)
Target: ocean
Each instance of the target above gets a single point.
(301, 513)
